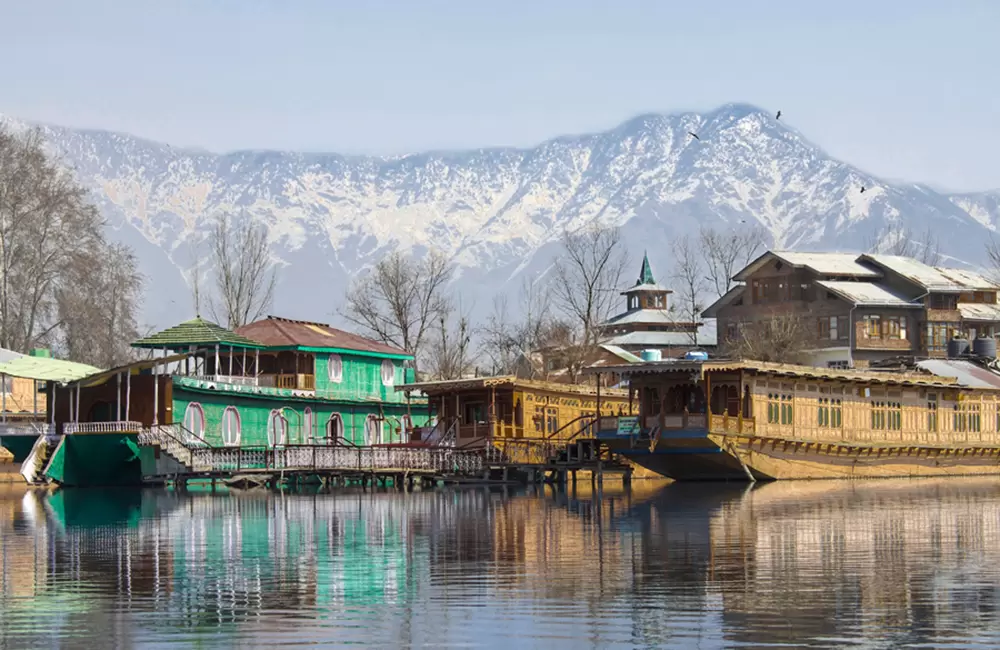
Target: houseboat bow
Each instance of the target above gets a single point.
(749, 420)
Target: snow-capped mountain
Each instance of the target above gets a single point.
(499, 212)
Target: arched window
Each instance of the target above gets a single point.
(335, 369)
(373, 430)
(334, 429)
(307, 424)
(277, 428)
(388, 372)
(232, 428)
(194, 422)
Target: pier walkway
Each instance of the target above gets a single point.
(174, 459)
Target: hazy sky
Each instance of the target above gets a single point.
(909, 90)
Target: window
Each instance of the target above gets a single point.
(194, 422)
(872, 326)
(897, 327)
(943, 301)
(539, 419)
(551, 420)
(833, 328)
(932, 413)
(786, 409)
(335, 368)
(878, 415)
(334, 429)
(938, 335)
(966, 417)
(373, 430)
(894, 411)
(307, 424)
(836, 420)
(772, 408)
(823, 412)
(838, 365)
(277, 428)
(232, 428)
(388, 372)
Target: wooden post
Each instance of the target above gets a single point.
(128, 395)
(34, 398)
(708, 401)
(3, 397)
(493, 412)
(256, 363)
(740, 403)
(598, 400)
(118, 398)
(217, 362)
(156, 395)
(78, 403)
(230, 361)
(52, 401)
(244, 362)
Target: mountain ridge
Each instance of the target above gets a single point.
(498, 212)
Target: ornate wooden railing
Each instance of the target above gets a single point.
(207, 459)
(123, 426)
(295, 382)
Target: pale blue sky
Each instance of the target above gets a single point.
(907, 90)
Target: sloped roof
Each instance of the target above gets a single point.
(866, 293)
(650, 316)
(646, 281)
(932, 278)
(46, 369)
(662, 339)
(278, 332)
(9, 355)
(829, 264)
(621, 353)
(101, 376)
(196, 331)
(965, 373)
(727, 299)
(975, 311)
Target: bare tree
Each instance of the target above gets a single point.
(448, 354)
(727, 252)
(588, 277)
(245, 275)
(52, 248)
(401, 300)
(902, 241)
(780, 339)
(98, 305)
(512, 343)
(690, 278)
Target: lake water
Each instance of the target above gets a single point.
(879, 564)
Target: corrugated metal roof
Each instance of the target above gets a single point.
(194, 332)
(9, 355)
(46, 369)
(867, 293)
(651, 316)
(965, 373)
(831, 264)
(979, 311)
(663, 339)
(286, 333)
(933, 278)
(621, 353)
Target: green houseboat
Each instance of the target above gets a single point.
(273, 383)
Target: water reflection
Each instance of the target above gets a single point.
(888, 563)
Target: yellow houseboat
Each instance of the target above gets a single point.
(767, 421)
(535, 417)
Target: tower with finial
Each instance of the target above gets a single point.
(646, 293)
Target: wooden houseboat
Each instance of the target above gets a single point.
(748, 420)
(273, 383)
(526, 418)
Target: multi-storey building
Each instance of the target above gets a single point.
(860, 308)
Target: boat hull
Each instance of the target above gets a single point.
(96, 460)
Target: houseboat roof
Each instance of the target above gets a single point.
(473, 383)
(276, 332)
(101, 376)
(196, 332)
(779, 369)
(967, 373)
(831, 264)
(47, 369)
(867, 294)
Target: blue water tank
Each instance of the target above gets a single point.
(696, 355)
(650, 355)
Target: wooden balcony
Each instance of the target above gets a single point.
(863, 340)
(292, 382)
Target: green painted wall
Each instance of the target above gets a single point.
(362, 379)
(255, 412)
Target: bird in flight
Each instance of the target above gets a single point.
(693, 135)
(862, 189)
(778, 116)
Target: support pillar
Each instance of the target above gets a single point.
(230, 361)
(128, 395)
(218, 363)
(77, 414)
(156, 395)
(118, 398)
(3, 397)
(34, 398)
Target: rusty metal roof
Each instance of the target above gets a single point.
(275, 332)
(966, 373)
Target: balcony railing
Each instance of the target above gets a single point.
(123, 426)
(295, 382)
(291, 382)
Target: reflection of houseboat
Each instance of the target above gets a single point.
(776, 421)
(273, 383)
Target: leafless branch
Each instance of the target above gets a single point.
(726, 252)
(245, 275)
(690, 279)
(779, 339)
(904, 242)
